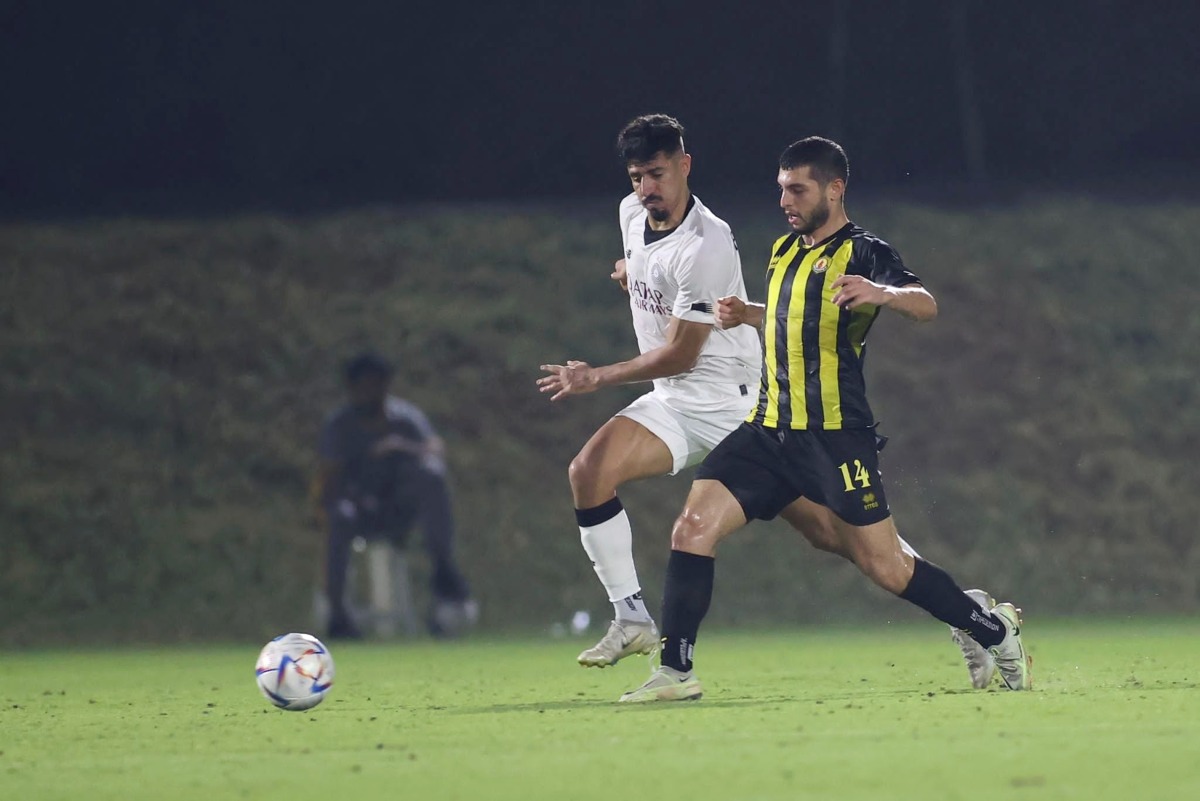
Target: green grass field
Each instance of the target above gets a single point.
(882, 713)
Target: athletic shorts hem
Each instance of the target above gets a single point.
(766, 469)
(689, 430)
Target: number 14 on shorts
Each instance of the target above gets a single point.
(860, 475)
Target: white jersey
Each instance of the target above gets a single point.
(682, 275)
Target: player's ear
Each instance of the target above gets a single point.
(685, 164)
(835, 190)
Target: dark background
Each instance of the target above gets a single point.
(175, 108)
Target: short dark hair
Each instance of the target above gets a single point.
(367, 363)
(824, 158)
(646, 136)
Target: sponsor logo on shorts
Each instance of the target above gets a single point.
(869, 501)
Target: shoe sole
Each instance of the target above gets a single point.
(603, 662)
(667, 693)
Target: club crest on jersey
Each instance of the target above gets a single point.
(821, 265)
(656, 273)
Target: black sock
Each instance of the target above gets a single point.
(932, 589)
(687, 593)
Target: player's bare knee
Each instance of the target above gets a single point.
(692, 533)
(580, 472)
(587, 477)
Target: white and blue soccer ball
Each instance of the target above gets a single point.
(294, 671)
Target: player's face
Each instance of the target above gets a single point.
(803, 199)
(661, 183)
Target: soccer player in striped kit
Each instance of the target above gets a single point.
(811, 436)
(679, 260)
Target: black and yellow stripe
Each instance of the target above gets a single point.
(812, 365)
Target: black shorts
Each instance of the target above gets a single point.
(768, 468)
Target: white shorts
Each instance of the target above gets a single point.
(691, 418)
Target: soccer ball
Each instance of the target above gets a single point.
(294, 671)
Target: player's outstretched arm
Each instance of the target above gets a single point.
(685, 340)
(913, 301)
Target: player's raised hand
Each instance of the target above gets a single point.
(854, 291)
(730, 312)
(572, 378)
(618, 274)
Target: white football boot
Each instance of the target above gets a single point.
(623, 638)
(1014, 663)
(980, 664)
(666, 684)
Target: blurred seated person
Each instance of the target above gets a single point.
(382, 469)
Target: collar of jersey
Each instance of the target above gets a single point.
(827, 239)
(650, 236)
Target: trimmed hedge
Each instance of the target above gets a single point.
(161, 385)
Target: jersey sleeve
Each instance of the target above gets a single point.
(703, 275)
(625, 214)
(886, 267)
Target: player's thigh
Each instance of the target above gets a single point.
(622, 450)
(710, 514)
(661, 416)
(816, 524)
(749, 463)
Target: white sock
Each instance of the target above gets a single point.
(632, 608)
(609, 544)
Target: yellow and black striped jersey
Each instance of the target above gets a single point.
(813, 350)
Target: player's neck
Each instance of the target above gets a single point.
(677, 214)
(834, 224)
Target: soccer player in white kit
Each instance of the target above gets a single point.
(680, 259)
